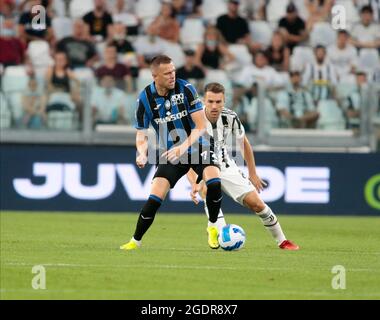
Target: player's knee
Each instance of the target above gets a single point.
(254, 204)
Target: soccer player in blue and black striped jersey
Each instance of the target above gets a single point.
(174, 110)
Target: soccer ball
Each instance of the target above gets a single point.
(231, 237)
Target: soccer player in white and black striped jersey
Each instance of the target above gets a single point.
(245, 190)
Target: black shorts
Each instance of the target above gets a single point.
(174, 172)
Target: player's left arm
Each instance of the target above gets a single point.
(247, 152)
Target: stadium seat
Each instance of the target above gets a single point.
(39, 54)
(61, 98)
(62, 26)
(146, 9)
(322, 33)
(15, 79)
(221, 77)
(343, 90)
(352, 14)
(251, 109)
(14, 84)
(241, 54)
(144, 78)
(5, 114)
(302, 9)
(330, 116)
(61, 120)
(85, 75)
(130, 105)
(174, 50)
(191, 33)
(78, 8)
(301, 57)
(212, 9)
(275, 10)
(261, 32)
(368, 60)
(126, 18)
(242, 58)
(59, 8)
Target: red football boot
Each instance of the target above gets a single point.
(288, 245)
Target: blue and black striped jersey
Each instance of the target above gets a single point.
(170, 116)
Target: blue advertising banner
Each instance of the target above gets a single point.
(102, 178)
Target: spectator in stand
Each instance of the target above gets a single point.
(118, 39)
(99, 21)
(320, 77)
(234, 28)
(367, 33)
(190, 71)
(278, 53)
(343, 55)
(125, 50)
(319, 10)
(7, 9)
(34, 107)
(60, 78)
(261, 71)
(107, 103)
(354, 102)
(165, 25)
(80, 51)
(213, 53)
(295, 105)
(147, 48)
(12, 50)
(293, 27)
(118, 71)
(186, 8)
(375, 4)
(253, 9)
(123, 13)
(28, 31)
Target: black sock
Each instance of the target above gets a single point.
(214, 198)
(147, 215)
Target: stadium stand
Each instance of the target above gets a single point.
(263, 19)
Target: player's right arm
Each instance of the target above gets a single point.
(141, 124)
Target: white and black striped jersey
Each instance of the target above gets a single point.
(225, 134)
(320, 78)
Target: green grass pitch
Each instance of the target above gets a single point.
(81, 256)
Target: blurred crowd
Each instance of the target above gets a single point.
(55, 55)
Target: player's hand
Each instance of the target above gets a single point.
(174, 153)
(259, 184)
(141, 161)
(194, 190)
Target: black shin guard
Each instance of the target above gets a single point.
(214, 198)
(146, 217)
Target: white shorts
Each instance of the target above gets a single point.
(235, 183)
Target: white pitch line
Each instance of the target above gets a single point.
(169, 266)
(341, 294)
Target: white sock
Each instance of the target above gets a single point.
(138, 242)
(220, 223)
(271, 223)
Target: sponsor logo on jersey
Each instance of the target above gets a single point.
(178, 98)
(171, 117)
